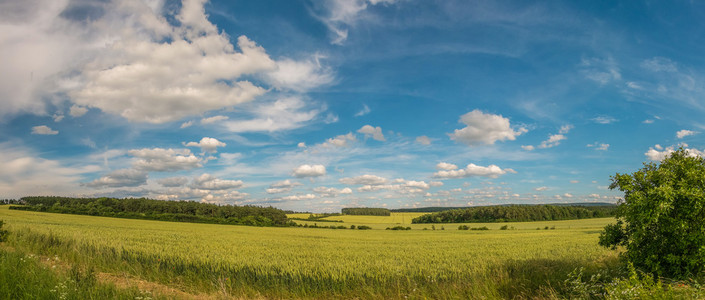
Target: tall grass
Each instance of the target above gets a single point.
(25, 277)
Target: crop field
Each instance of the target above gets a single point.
(295, 262)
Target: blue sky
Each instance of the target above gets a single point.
(318, 105)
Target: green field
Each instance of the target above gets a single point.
(294, 262)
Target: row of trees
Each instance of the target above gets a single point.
(366, 211)
(142, 208)
(516, 213)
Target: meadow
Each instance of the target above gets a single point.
(526, 261)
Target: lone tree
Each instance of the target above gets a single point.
(661, 221)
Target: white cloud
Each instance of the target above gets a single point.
(553, 140)
(602, 71)
(599, 146)
(298, 197)
(648, 121)
(25, 173)
(164, 160)
(658, 153)
(485, 128)
(683, 133)
(340, 141)
(366, 179)
(375, 132)
(365, 110)
(309, 171)
(423, 140)
(213, 119)
(435, 183)
(144, 79)
(208, 182)
(207, 144)
(342, 14)
(282, 187)
(173, 181)
(301, 145)
(446, 166)
(528, 147)
(77, 111)
(330, 192)
(541, 188)
(604, 120)
(473, 170)
(120, 178)
(659, 64)
(299, 76)
(43, 130)
(565, 129)
(186, 124)
(283, 114)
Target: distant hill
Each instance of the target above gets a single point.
(445, 208)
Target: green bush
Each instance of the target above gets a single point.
(3, 233)
(660, 221)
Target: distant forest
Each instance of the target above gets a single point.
(141, 208)
(444, 208)
(517, 213)
(366, 211)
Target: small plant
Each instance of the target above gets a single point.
(3, 233)
(480, 228)
(352, 226)
(505, 227)
(463, 227)
(363, 227)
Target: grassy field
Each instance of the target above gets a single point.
(323, 263)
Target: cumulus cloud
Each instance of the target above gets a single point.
(120, 178)
(552, 141)
(423, 140)
(309, 171)
(482, 128)
(43, 130)
(330, 192)
(173, 181)
(366, 179)
(299, 76)
(400, 185)
(207, 144)
(683, 133)
(298, 197)
(77, 111)
(446, 166)
(528, 147)
(209, 182)
(374, 132)
(472, 170)
(135, 59)
(164, 160)
(282, 187)
(283, 114)
(340, 141)
(541, 188)
(659, 153)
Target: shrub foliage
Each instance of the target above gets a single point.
(660, 221)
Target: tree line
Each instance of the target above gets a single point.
(516, 213)
(366, 211)
(149, 209)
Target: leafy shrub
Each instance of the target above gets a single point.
(480, 228)
(663, 204)
(504, 227)
(363, 227)
(3, 233)
(463, 227)
(399, 228)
